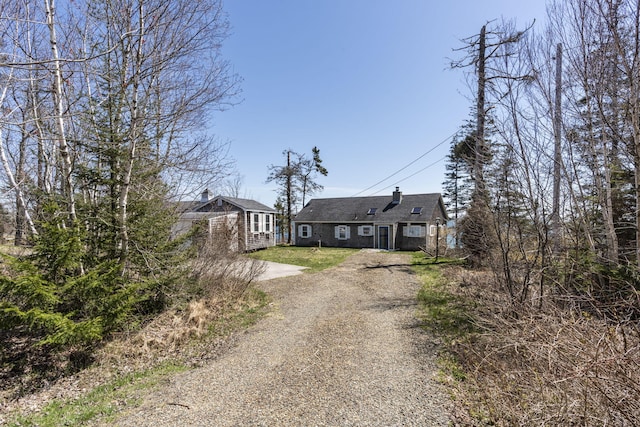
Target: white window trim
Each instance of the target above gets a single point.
(305, 231)
(414, 230)
(365, 230)
(255, 223)
(339, 229)
(267, 223)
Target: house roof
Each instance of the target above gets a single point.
(425, 207)
(244, 204)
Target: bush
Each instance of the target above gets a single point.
(551, 366)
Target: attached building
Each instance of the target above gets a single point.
(396, 222)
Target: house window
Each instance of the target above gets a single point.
(267, 223)
(256, 223)
(432, 230)
(372, 211)
(304, 231)
(414, 231)
(342, 232)
(365, 230)
(416, 210)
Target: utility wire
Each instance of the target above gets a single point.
(406, 166)
(410, 176)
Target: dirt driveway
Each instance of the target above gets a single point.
(341, 348)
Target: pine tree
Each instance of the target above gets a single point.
(458, 184)
(295, 181)
(48, 292)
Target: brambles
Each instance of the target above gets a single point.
(557, 366)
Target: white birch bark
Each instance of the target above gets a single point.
(58, 99)
(11, 176)
(133, 136)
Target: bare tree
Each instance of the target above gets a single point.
(110, 105)
(563, 153)
(232, 186)
(156, 76)
(622, 22)
(483, 51)
(59, 112)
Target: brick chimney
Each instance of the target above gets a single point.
(397, 196)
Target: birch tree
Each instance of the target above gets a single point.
(156, 77)
(115, 99)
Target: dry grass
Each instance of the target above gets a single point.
(531, 367)
(186, 337)
(218, 301)
(221, 272)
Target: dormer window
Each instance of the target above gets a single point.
(372, 211)
(416, 210)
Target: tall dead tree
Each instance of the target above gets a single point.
(481, 114)
(285, 177)
(289, 196)
(476, 229)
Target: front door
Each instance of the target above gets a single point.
(383, 237)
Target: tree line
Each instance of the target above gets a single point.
(105, 108)
(544, 178)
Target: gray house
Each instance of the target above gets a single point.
(250, 223)
(394, 222)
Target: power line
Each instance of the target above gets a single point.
(406, 166)
(410, 176)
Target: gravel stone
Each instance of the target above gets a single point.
(341, 347)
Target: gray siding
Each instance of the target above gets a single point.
(409, 243)
(380, 212)
(248, 240)
(326, 233)
(257, 240)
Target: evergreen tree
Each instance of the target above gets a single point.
(47, 292)
(308, 168)
(458, 184)
(119, 119)
(295, 181)
(281, 217)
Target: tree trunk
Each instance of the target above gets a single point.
(134, 135)
(21, 205)
(479, 160)
(557, 153)
(289, 196)
(58, 101)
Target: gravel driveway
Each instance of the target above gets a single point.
(341, 348)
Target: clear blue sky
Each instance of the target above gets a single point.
(366, 81)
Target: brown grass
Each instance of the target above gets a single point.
(194, 330)
(188, 337)
(221, 272)
(532, 367)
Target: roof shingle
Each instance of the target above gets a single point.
(355, 209)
